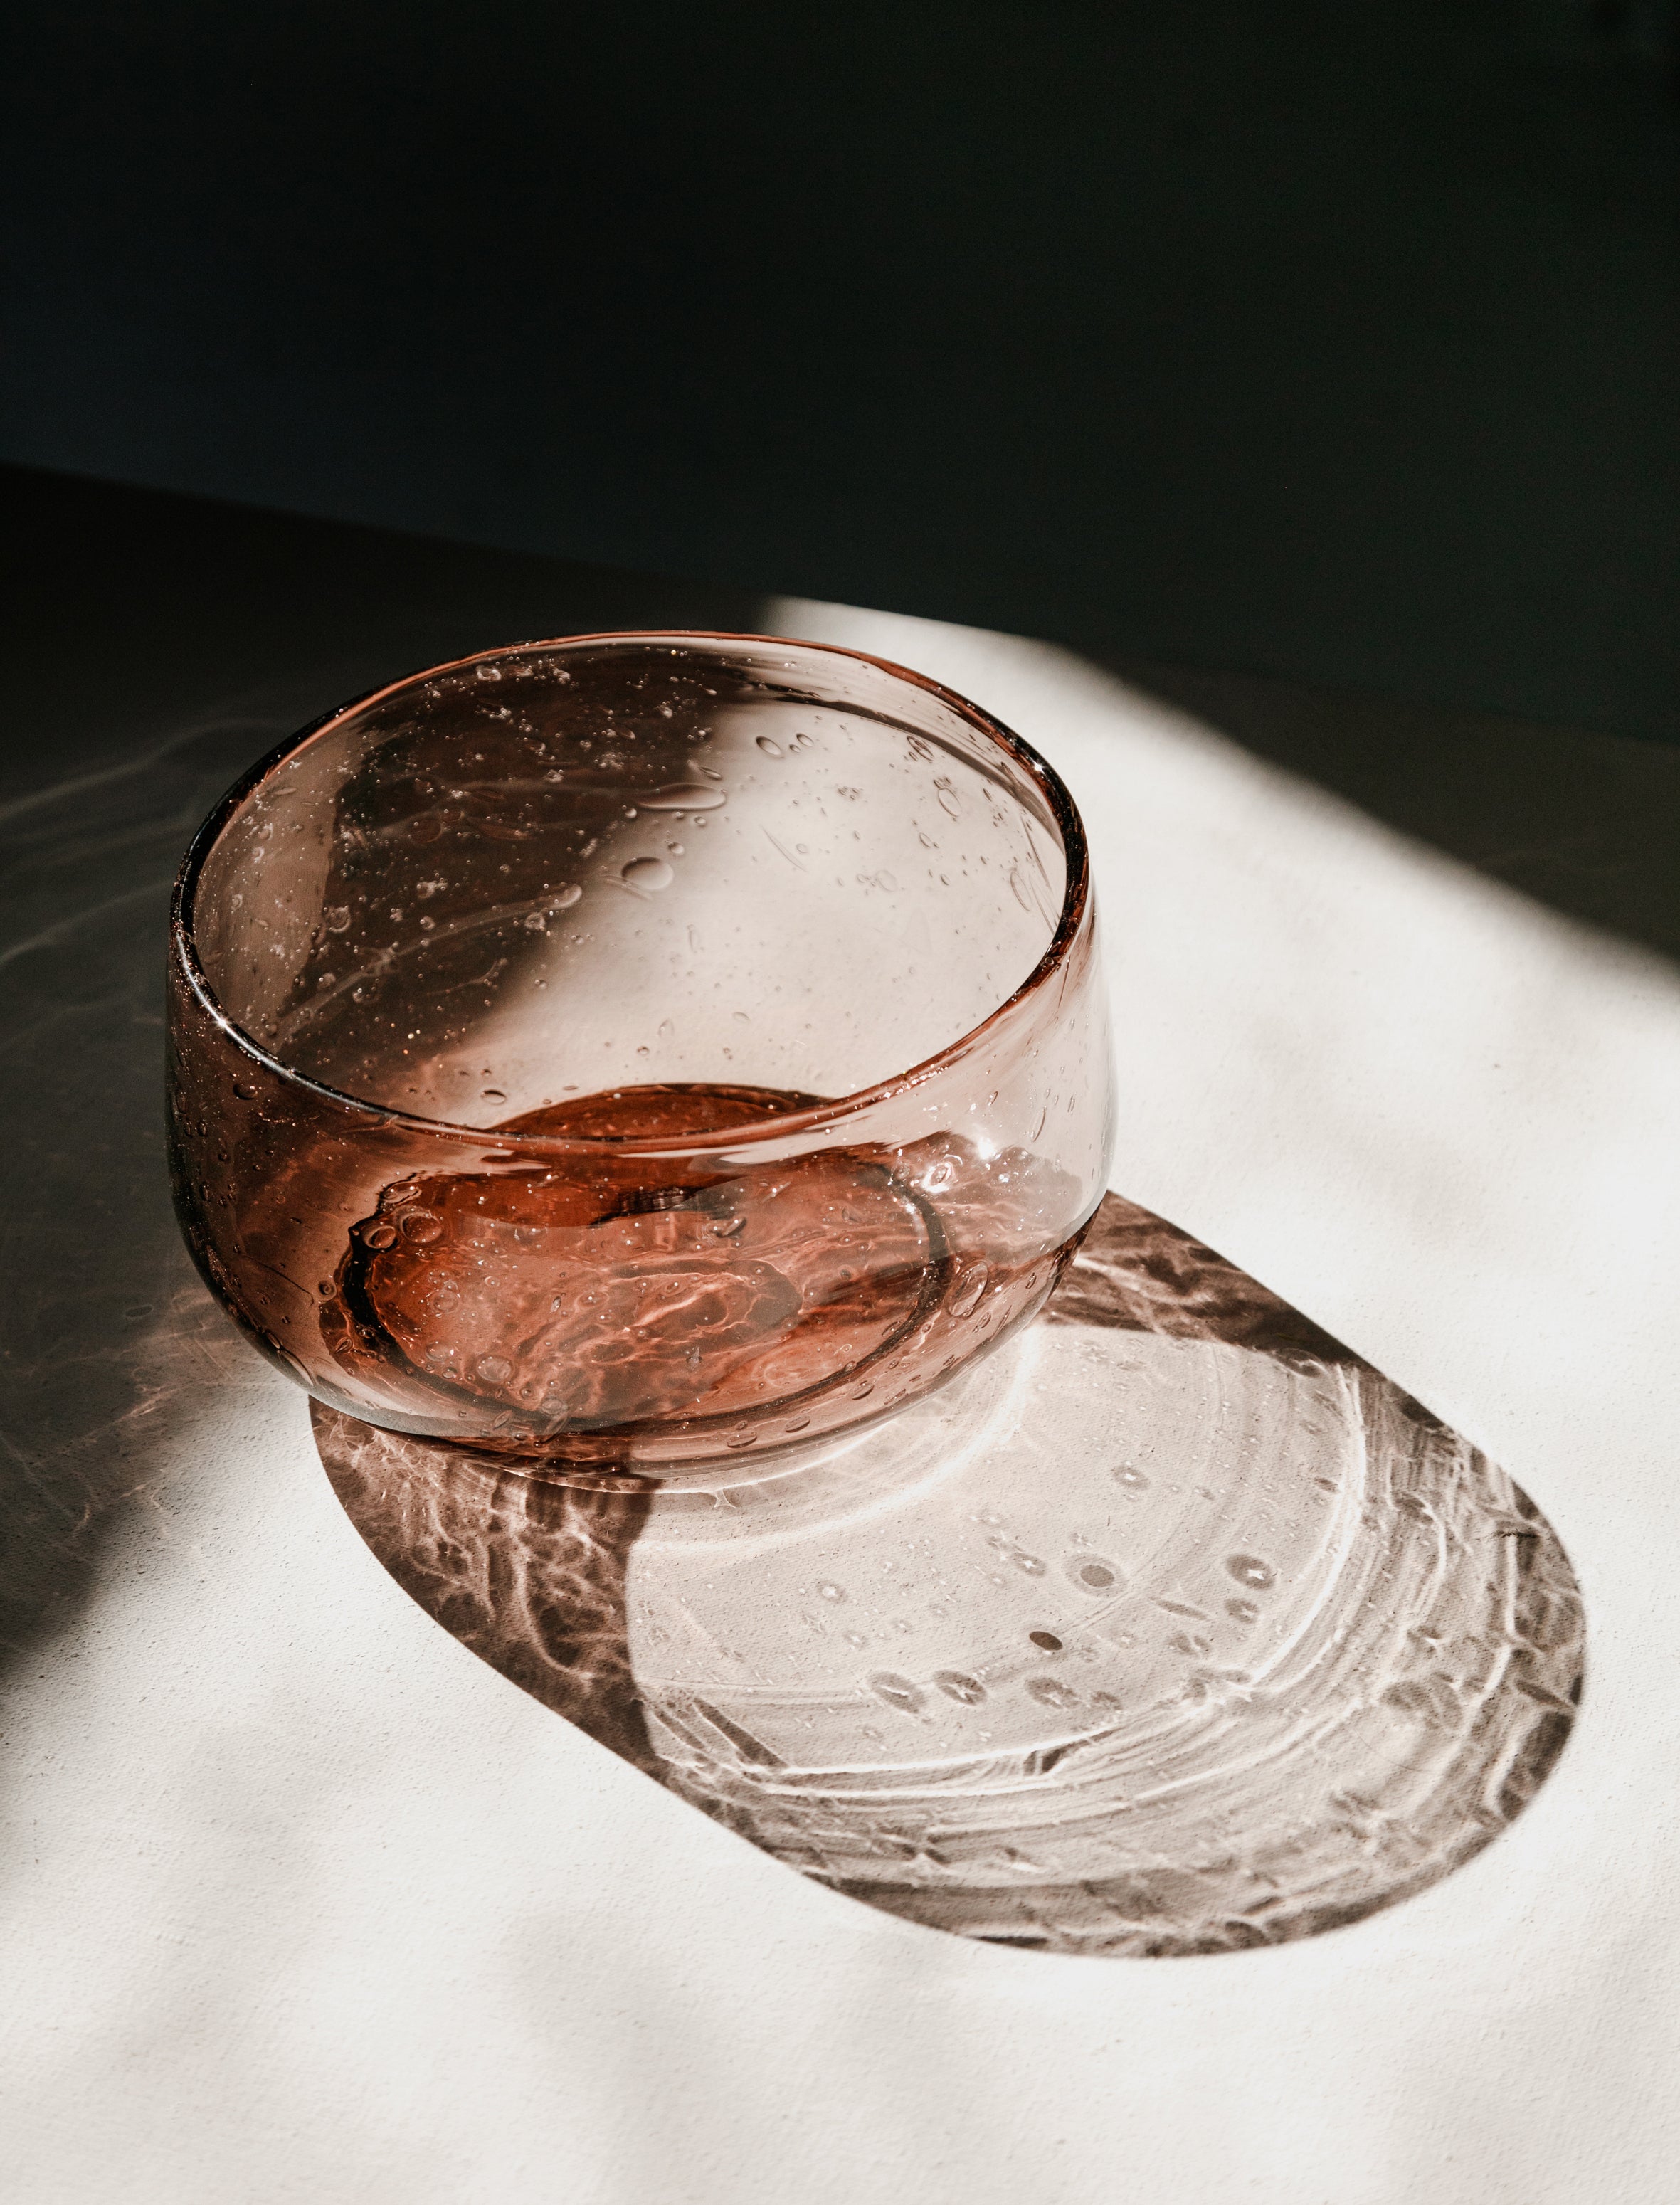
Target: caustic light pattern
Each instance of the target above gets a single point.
(1171, 1628)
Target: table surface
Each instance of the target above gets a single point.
(303, 1901)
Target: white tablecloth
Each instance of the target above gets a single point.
(302, 1901)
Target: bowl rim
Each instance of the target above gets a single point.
(1075, 908)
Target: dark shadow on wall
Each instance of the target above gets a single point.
(1337, 342)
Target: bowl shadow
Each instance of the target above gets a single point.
(1172, 1628)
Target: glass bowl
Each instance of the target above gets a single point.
(617, 1053)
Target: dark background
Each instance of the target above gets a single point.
(1330, 341)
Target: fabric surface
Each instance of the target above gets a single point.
(301, 1901)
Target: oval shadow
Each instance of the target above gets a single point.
(1172, 1628)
